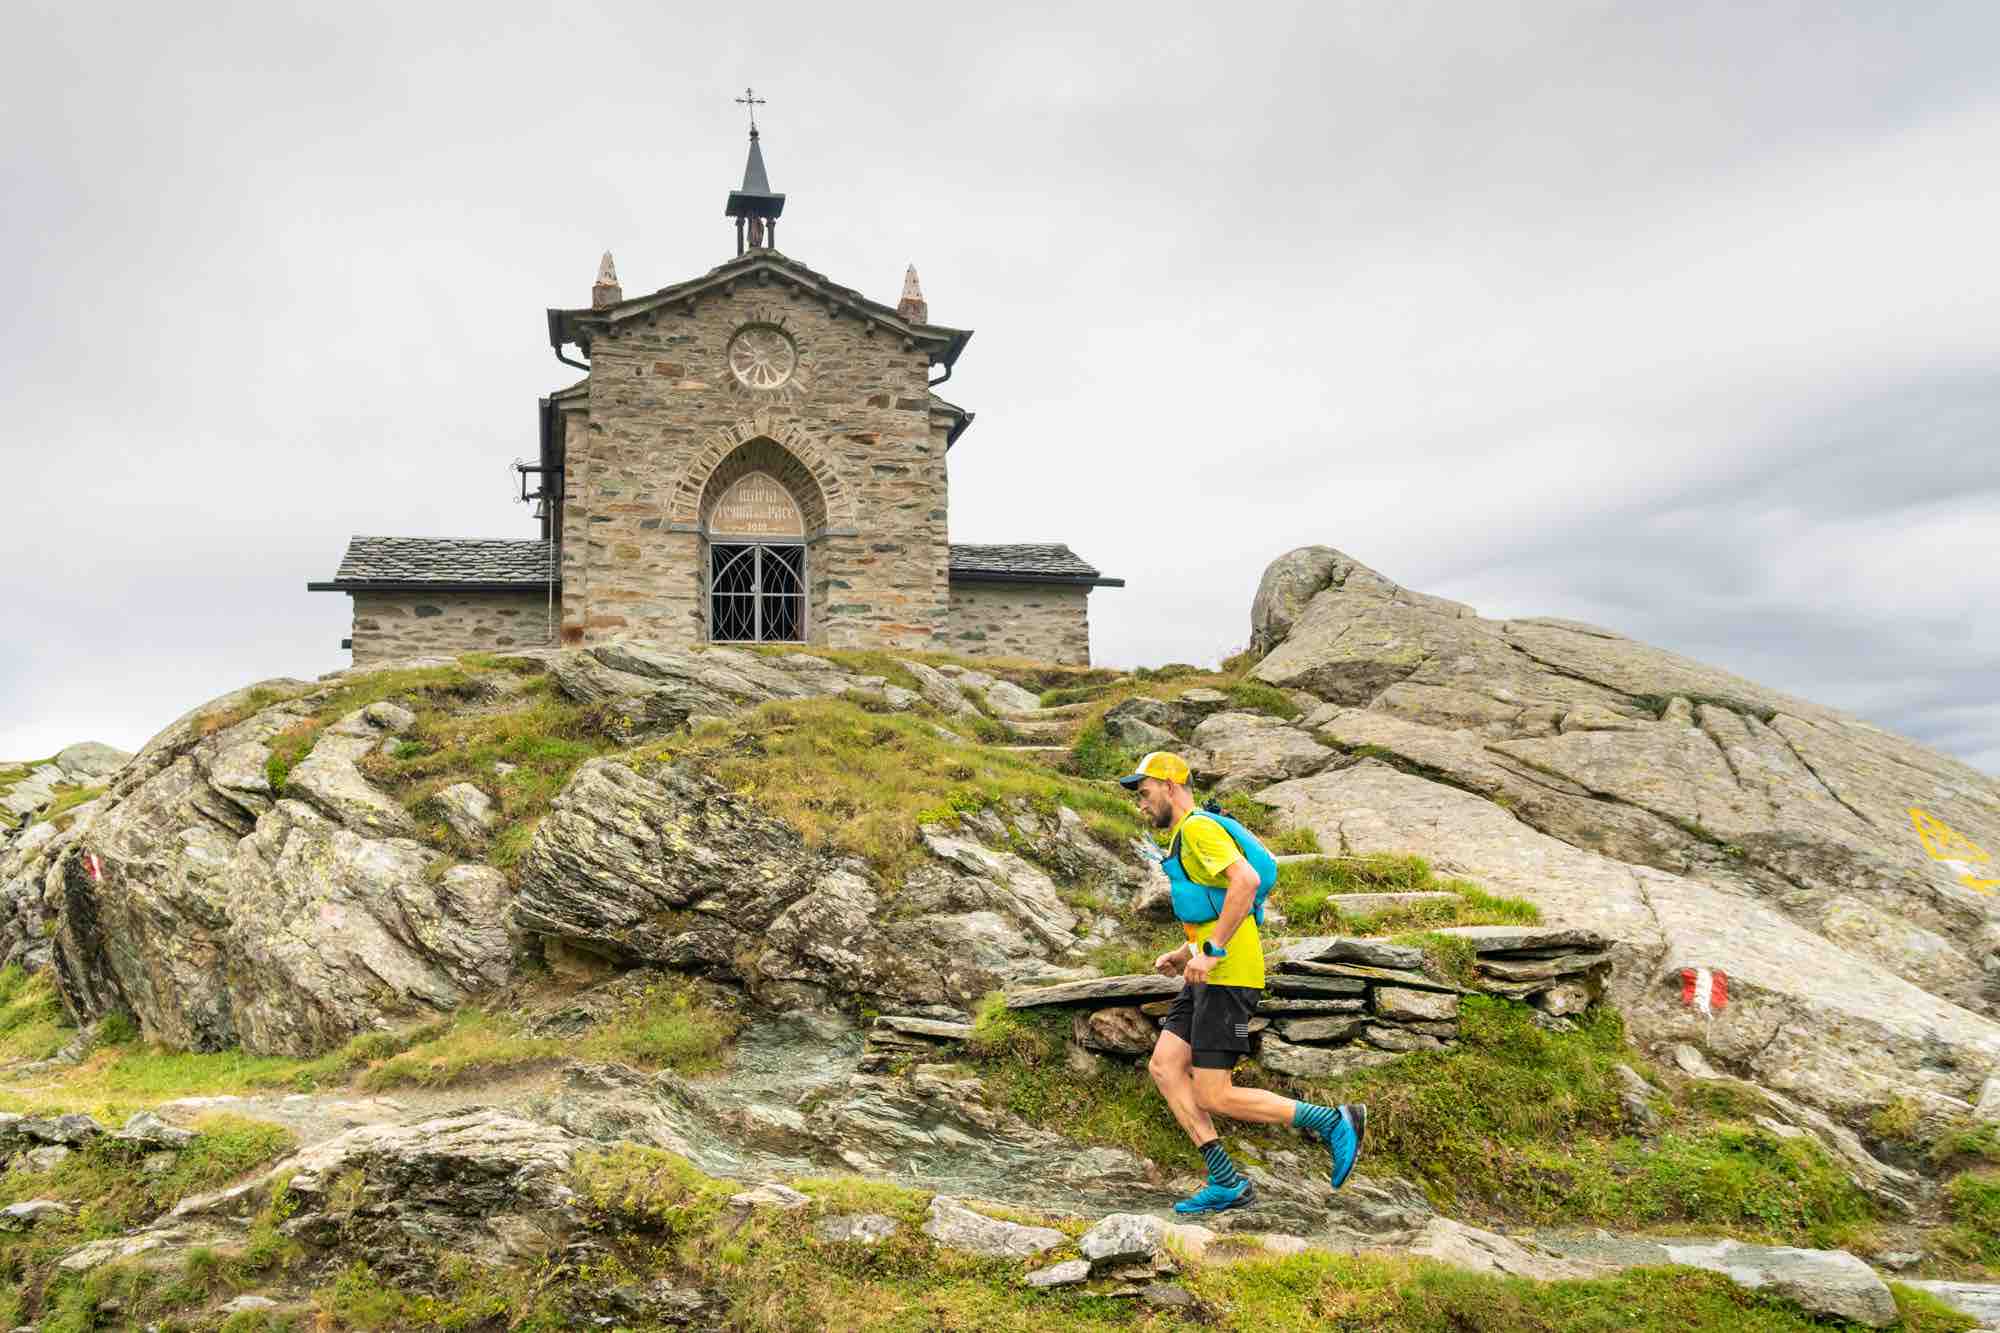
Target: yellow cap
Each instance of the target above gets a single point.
(1159, 764)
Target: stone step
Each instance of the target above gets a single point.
(1045, 733)
(1052, 755)
(1071, 711)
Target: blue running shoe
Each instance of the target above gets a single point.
(1344, 1139)
(1217, 1198)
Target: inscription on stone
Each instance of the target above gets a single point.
(757, 506)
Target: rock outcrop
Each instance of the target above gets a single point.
(1826, 868)
(218, 909)
(666, 868)
(218, 915)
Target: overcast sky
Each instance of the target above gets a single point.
(1675, 318)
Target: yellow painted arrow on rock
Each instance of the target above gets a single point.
(1971, 862)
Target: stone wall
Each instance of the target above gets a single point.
(666, 420)
(400, 624)
(1038, 622)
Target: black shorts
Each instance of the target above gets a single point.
(1215, 1021)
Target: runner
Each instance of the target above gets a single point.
(1208, 1029)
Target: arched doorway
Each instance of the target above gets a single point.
(755, 540)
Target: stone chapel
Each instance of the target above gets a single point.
(755, 455)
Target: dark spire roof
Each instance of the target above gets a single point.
(754, 179)
(755, 199)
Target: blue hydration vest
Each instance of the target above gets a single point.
(1195, 903)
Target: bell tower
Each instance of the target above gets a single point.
(754, 207)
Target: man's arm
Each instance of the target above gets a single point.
(1236, 903)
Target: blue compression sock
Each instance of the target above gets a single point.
(1221, 1171)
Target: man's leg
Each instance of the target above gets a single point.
(1340, 1127)
(1171, 1068)
(1173, 1059)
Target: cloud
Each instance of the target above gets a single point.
(1666, 318)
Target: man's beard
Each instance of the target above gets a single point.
(1164, 819)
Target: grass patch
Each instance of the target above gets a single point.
(666, 1026)
(1972, 1201)
(1306, 892)
(65, 800)
(1094, 755)
(545, 740)
(1254, 696)
(1320, 1291)
(32, 1023)
(860, 783)
(1521, 1123)
(1897, 1120)
(1293, 842)
(256, 701)
(112, 1193)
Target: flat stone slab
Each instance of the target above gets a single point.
(1065, 1274)
(1507, 939)
(1330, 1028)
(1097, 990)
(1825, 1282)
(1307, 986)
(1541, 969)
(1348, 949)
(1979, 1300)
(926, 1027)
(1291, 971)
(1288, 1004)
(953, 1225)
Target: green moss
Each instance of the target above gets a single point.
(545, 738)
(1966, 1141)
(1447, 957)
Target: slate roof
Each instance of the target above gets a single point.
(441, 562)
(1029, 562)
(498, 564)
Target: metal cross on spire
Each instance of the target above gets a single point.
(751, 100)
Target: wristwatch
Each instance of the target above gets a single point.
(1208, 949)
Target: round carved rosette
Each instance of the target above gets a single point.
(762, 356)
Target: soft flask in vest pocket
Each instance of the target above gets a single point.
(1195, 903)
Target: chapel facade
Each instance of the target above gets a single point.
(755, 455)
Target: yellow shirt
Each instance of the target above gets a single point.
(1207, 852)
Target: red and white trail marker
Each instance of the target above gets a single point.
(94, 866)
(1704, 989)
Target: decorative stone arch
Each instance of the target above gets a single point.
(785, 450)
(768, 458)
